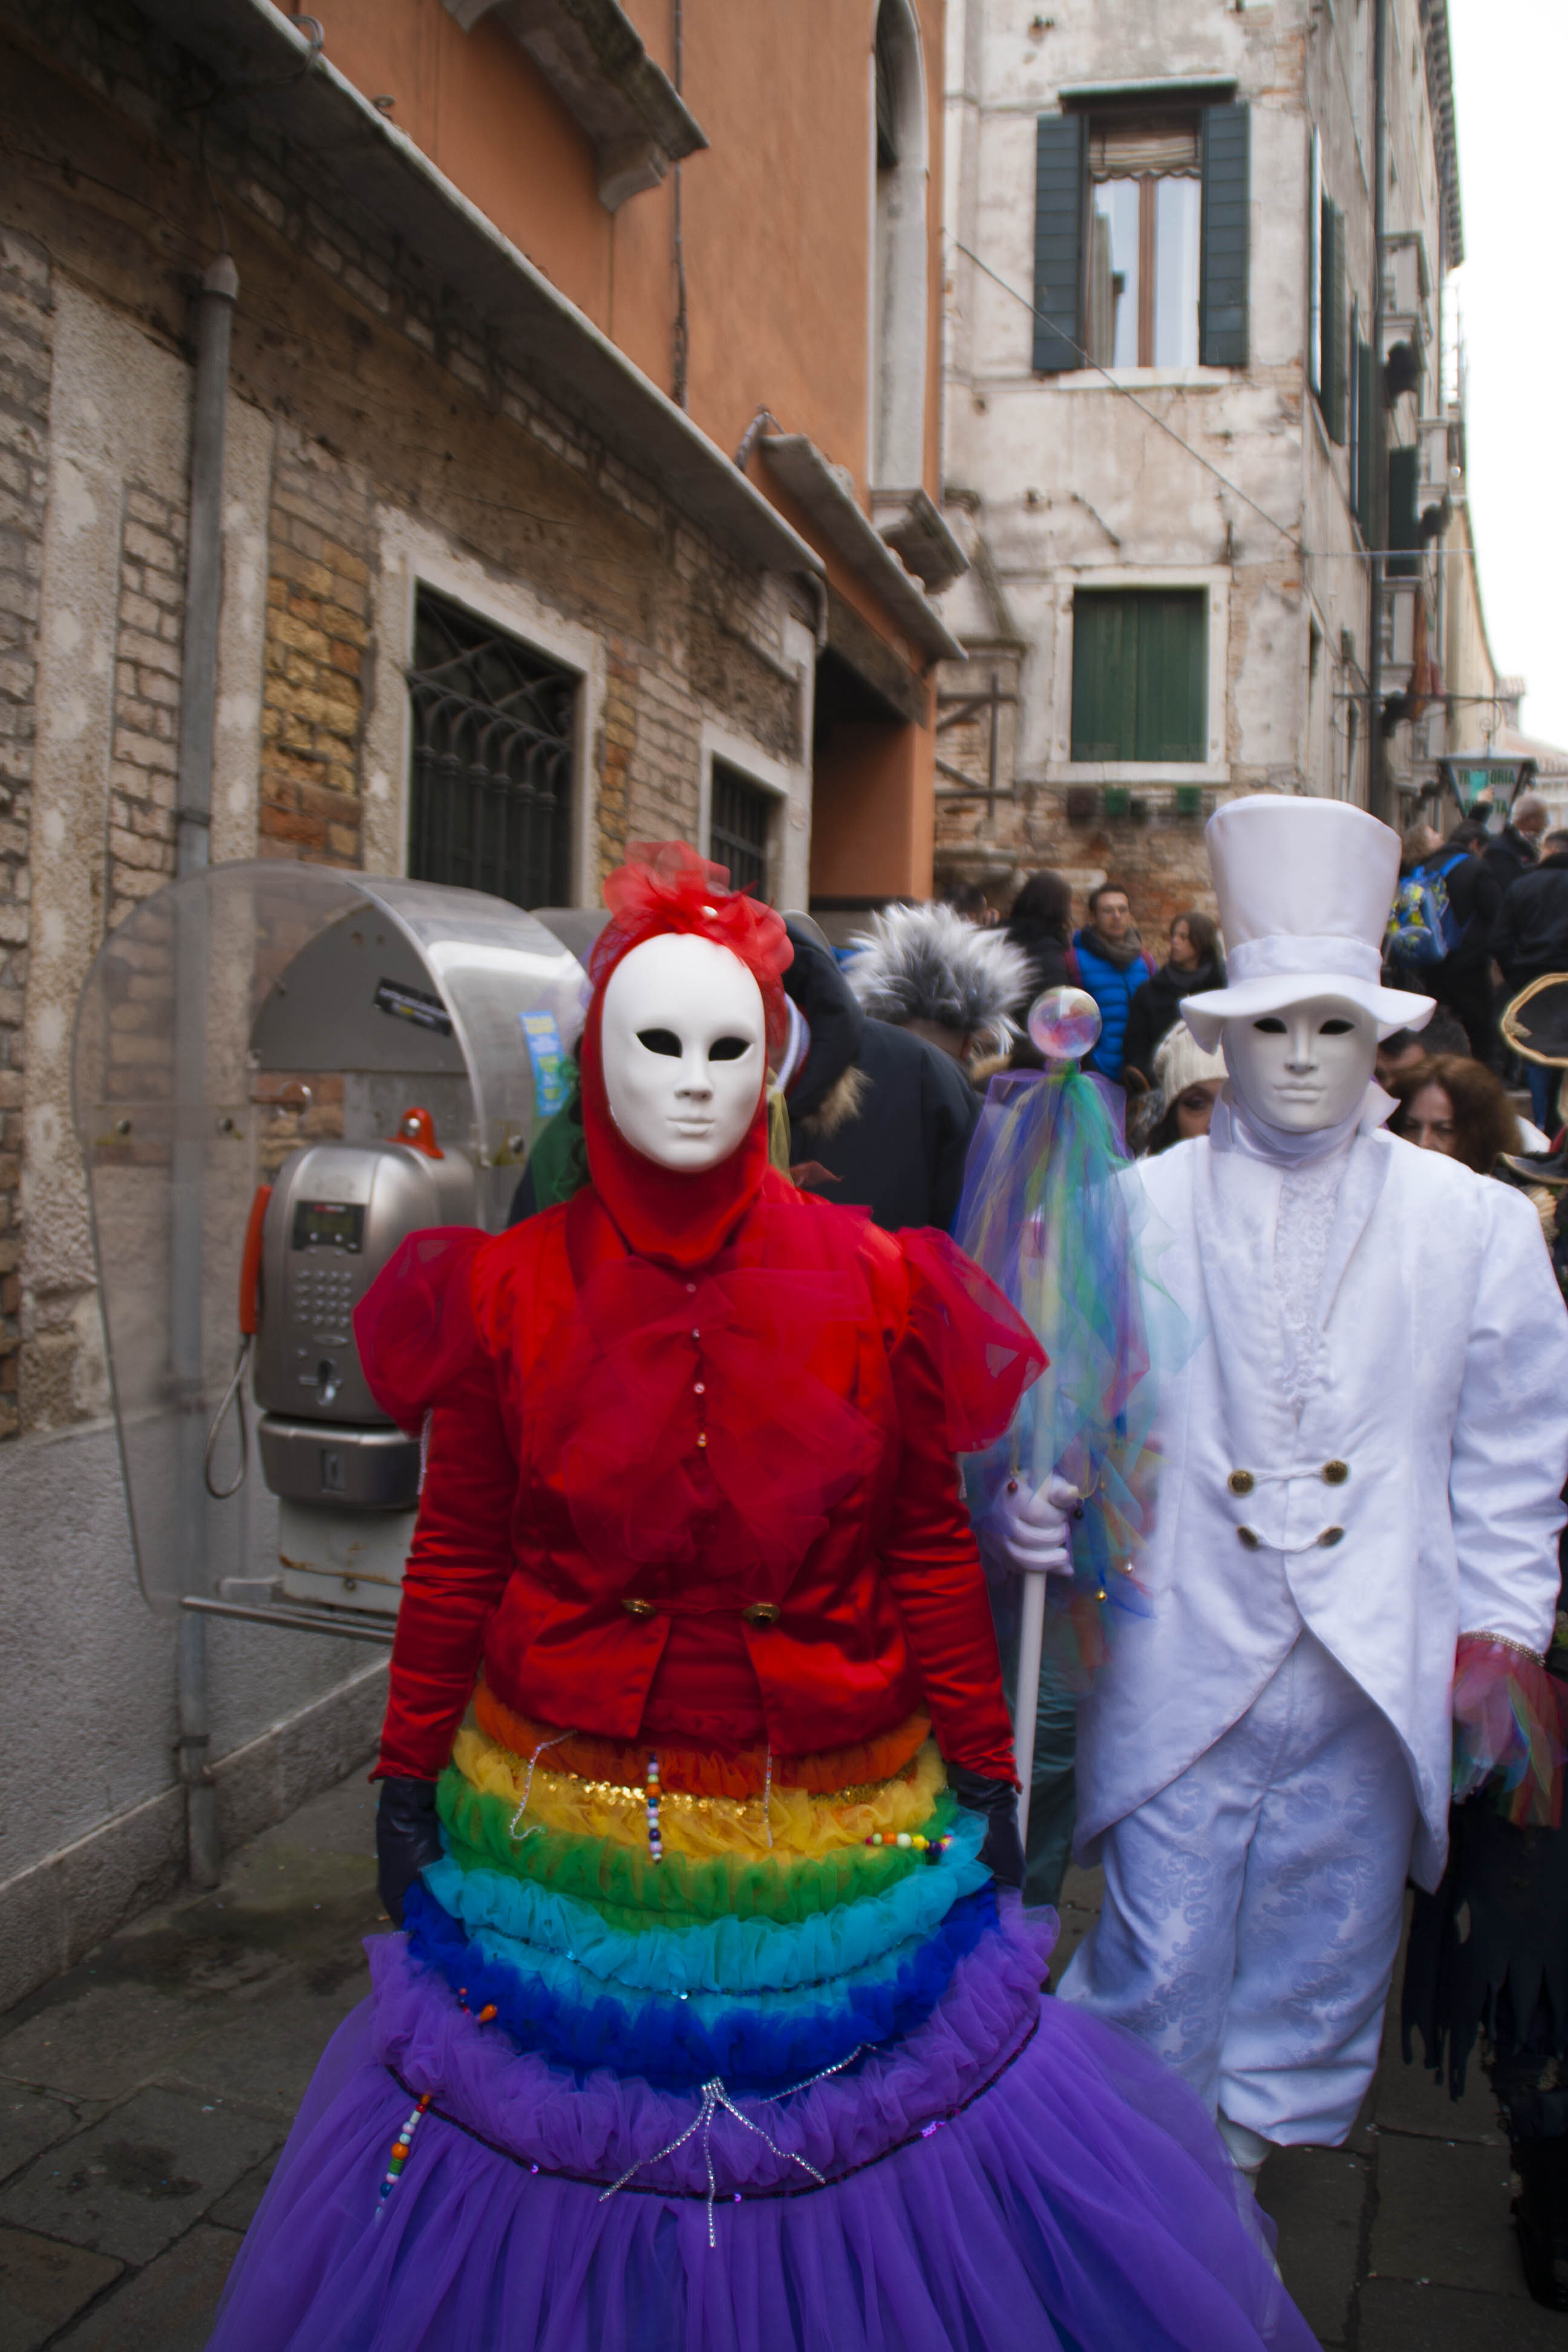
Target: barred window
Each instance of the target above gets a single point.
(494, 734)
(739, 829)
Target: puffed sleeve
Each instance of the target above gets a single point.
(960, 1364)
(428, 1366)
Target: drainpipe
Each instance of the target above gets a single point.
(1377, 763)
(198, 718)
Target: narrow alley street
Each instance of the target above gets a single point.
(146, 2094)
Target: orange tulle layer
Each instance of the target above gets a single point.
(703, 1771)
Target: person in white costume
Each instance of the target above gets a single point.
(1362, 1457)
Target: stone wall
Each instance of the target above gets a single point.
(25, 334)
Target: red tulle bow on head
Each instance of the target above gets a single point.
(665, 886)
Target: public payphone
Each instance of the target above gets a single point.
(279, 1072)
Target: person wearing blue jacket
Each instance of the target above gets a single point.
(1108, 960)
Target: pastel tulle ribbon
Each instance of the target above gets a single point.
(1508, 1719)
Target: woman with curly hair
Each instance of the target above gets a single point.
(1451, 1104)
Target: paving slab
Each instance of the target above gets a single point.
(1444, 2216)
(137, 2179)
(265, 2053)
(1398, 2316)
(1315, 2197)
(167, 2307)
(1078, 1909)
(43, 2284)
(31, 2120)
(1408, 2097)
(236, 2209)
(102, 2042)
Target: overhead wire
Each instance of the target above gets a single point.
(1127, 394)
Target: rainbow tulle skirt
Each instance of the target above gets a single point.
(735, 2053)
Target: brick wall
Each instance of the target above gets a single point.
(145, 753)
(1158, 856)
(24, 367)
(321, 547)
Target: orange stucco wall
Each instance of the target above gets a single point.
(777, 216)
(776, 210)
(873, 813)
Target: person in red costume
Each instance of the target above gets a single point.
(708, 2026)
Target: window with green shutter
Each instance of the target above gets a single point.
(1403, 531)
(1222, 296)
(1364, 461)
(1141, 237)
(1332, 324)
(1059, 242)
(1139, 674)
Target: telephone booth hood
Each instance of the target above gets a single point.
(241, 1013)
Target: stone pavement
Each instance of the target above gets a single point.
(143, 2097)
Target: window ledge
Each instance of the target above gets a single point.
(1137, 772)
(592, 57)
(1139, 379)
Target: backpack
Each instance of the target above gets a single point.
(1422, 925)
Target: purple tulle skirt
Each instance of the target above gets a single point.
(1010, 2175)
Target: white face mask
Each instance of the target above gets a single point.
(1304, 1067)
(683, 1042)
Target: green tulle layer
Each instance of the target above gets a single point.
(630, 1891)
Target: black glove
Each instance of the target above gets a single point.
(407, 1837)
(1003, 1852)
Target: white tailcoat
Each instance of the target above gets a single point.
(1442, 1384)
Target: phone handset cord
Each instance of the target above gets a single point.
(236, 1389)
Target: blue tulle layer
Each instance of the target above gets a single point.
(724, 1956)
(756, 2044)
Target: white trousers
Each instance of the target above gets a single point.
(1252, 1907)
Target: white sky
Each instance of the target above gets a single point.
(1511, 80)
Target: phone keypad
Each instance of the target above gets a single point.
(324, 1299)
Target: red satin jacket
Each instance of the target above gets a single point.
(714, 1503)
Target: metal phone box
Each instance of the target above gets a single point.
(338, 1213)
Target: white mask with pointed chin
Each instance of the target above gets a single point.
(683, 1045)
(1304, 1067)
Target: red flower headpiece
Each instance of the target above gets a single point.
(664, 886)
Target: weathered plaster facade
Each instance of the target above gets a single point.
(1227, 480)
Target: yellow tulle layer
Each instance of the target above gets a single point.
(800, 1824)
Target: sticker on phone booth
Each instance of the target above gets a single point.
(552, 1078)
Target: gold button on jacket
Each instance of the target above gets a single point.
(636, 1608)
(1250, 1538)
(1336, 1473)
(1241, 1482)
(763, 1613)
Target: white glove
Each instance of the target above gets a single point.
(1031, 1529)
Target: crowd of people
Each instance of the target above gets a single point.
(961, 977)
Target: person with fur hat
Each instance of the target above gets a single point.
(927, 970)
(711, 2020)
(1351, 1574)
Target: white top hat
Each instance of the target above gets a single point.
(1304, 889)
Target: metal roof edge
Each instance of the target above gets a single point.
(850, 532)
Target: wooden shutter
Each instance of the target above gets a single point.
(1366, 441)
(1404, 465)
(1172, 676)
(1104, 677)
(1059, 180)
(1332, 370)
(1221, 294)
(1140, 675)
